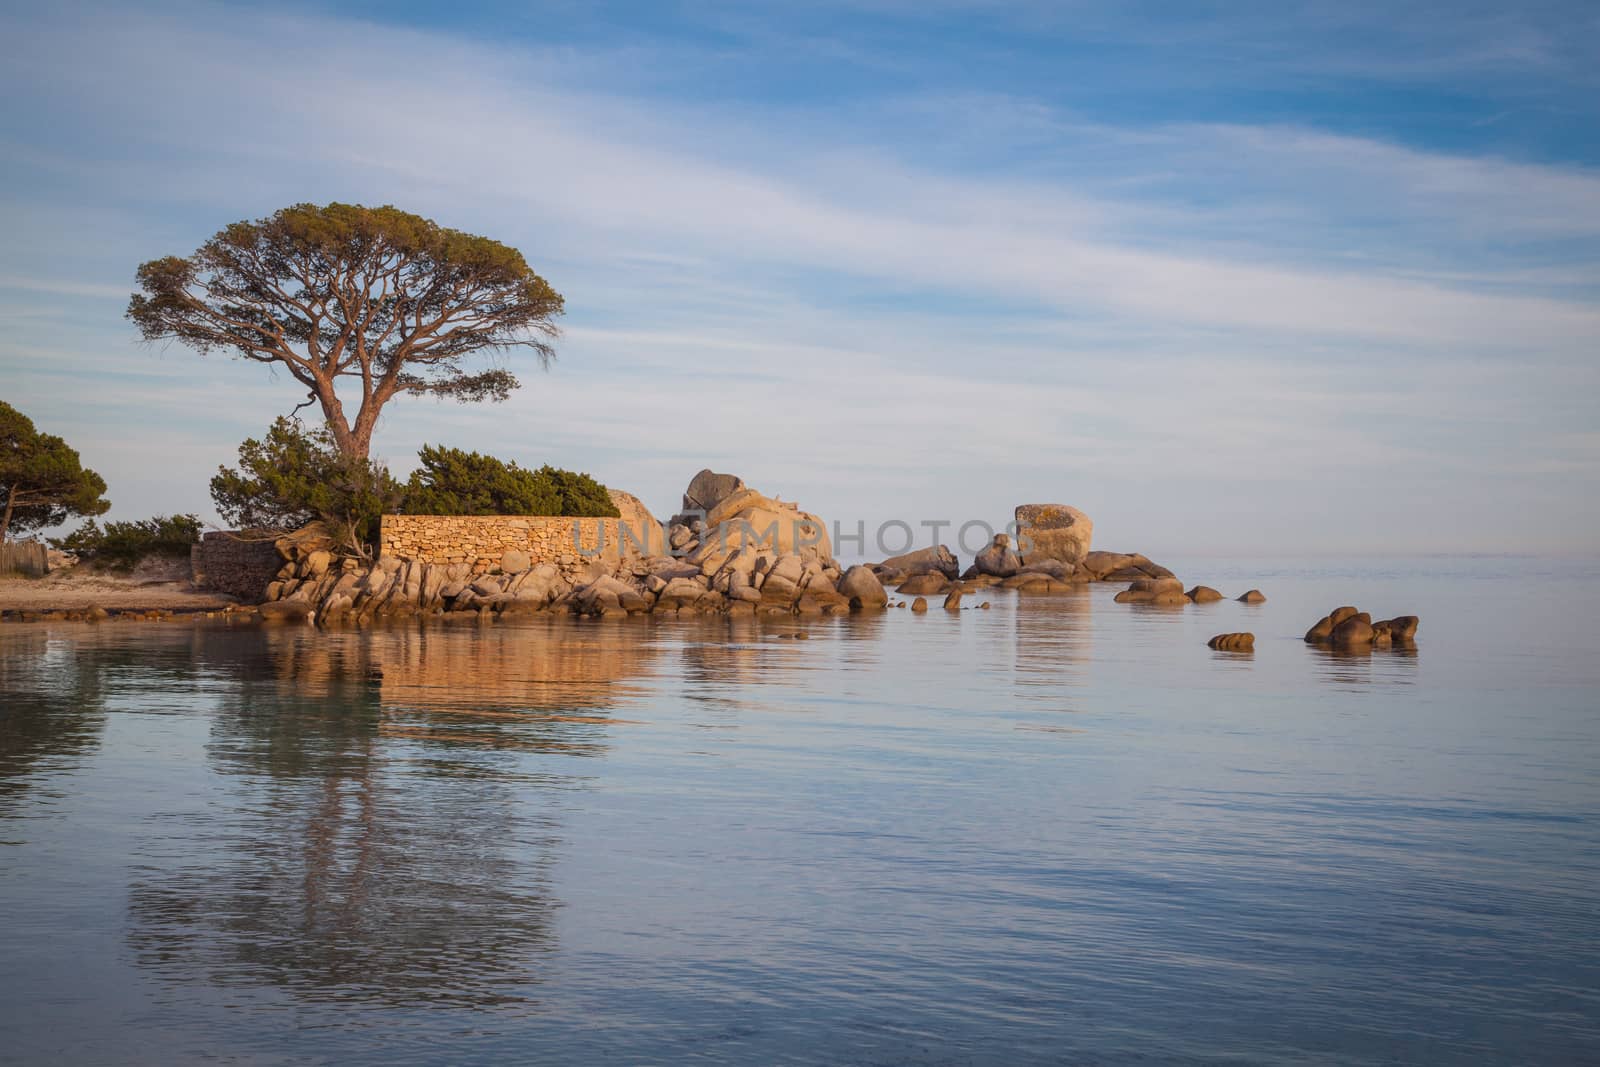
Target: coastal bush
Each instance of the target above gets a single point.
(452, 481)
(294, 475)
(121, 545)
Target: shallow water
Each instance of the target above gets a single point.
(1058, 830)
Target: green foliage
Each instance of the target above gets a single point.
(376, 301)
(294, 476)
(42, 480)
(452, 481)
(579, 494)
(123, 544)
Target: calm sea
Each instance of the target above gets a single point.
(1060, 830)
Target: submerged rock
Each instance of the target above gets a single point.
(1159, 591)
(1254, 596)
(1203, 594)
(1237, 642)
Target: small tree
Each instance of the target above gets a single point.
(42, 480)
(294, 476)
(452, 481)
(374, 298)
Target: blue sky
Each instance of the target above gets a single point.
(1239, 277)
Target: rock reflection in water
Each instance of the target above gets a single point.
(1361, 666)
(392, 822)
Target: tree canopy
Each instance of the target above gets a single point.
(42, 480)
(376, 299)
(451, 481)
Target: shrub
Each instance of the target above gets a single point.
(123, 544)
(294, 476)
(452, 481)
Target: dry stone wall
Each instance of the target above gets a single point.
(484, 542)
(241, 568)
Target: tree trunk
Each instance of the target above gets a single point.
(5, 520)
(344, 440)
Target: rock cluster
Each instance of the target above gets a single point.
(1050, 553)
(735, 551)
(1348, 628)
(723, 518)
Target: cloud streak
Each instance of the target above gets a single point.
(1134, 318)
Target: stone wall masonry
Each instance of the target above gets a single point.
(221, 561)
(573, 545)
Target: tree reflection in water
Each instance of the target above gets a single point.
(51, 691)
(388, 819)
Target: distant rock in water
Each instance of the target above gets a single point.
(863, 589)
(1160, 591)
(1254, 596)
(927, 582)
(1241, 642)
(1203, 594)
(1347, 628)
(1121, 567)
(1053, 532)
(936, 560)
(998, 559)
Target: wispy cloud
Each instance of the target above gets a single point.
(839, 306)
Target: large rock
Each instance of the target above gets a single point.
(927, 582)
(306, 541)
(748, 519)
(938, 559)
(643, 534)
(862, 588)
(1053, 531)
(708, 489)
(998, 558)
(1121, 567)
(1352, 632)
(1160, 591)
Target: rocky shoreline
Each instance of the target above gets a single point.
(731, 550)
